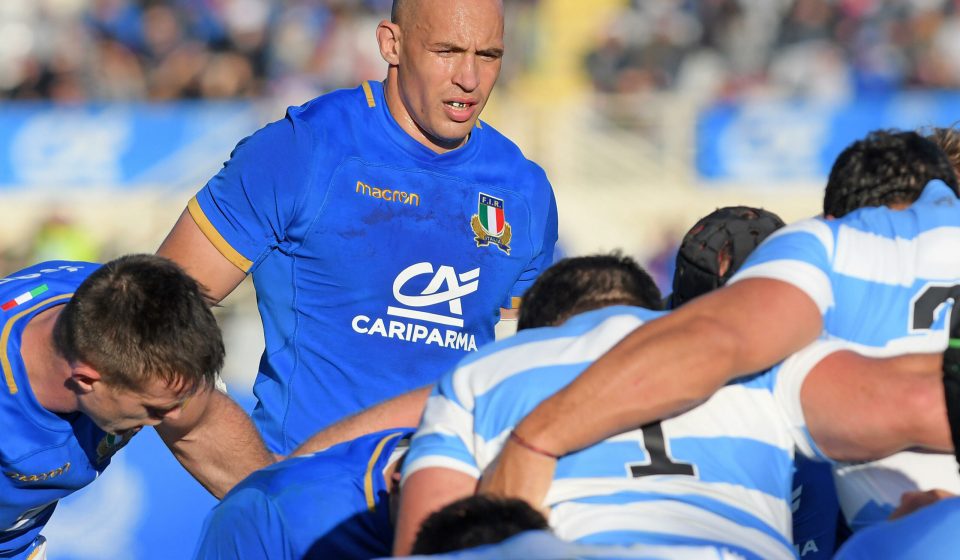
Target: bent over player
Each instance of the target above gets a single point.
(875, 276)
(90, 355)
(385, 227)
(718, 476)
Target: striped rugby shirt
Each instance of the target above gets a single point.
(880, 279)
(718, 475)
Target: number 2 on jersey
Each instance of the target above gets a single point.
(927, 302)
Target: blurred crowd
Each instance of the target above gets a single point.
(118, 50)
(121, 50)
(828, 49)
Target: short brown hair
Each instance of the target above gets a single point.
(140, 318)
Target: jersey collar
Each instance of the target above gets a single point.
(415, 149)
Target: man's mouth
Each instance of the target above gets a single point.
(460, 110)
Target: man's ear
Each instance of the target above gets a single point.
(388, 38)
(84, 377)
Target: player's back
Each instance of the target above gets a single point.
(329, 504)
(719, 474)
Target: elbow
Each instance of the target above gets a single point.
(927, 409)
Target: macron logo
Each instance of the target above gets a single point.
(456, 286)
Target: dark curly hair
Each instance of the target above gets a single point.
(887, 167)
(475, 521)
(579, 284)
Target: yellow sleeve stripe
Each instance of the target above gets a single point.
(371, 102)
(368, 477)
(39, 553)
(5, 338)
(515, 302)
(232, 255)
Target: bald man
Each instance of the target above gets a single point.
(387, 229)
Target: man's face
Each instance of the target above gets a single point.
(450, 54)
(119, 411)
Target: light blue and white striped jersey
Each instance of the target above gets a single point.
(718, 475)
(543, 545)
(880, 278)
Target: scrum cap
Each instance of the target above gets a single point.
(716, 246)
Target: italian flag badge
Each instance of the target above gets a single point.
(24, 297)
(489, 224)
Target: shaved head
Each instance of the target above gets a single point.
(403, 10)
(400, 10)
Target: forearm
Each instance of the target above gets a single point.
(220, 447)
(860, 409)
(672, 364)
(616, 389)
(399, 412)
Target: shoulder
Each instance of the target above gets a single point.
(46, 279)
(504, 155)
(305, 126)
(334, 110)
(581, 332)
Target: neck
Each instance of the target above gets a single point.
(47, 371)
(391, 91)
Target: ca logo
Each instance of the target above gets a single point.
(457, 286)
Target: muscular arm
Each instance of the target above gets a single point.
(425, 492)
(215, 441)
(187, 246)
(859, 408)
(399, 412)
(663, 368)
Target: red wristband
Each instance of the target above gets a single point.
(525, 444)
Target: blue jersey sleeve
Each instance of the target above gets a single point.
(246, 209)
(245, 525)
(799, 254)
(546, 226)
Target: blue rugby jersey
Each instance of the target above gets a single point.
(330, 504)
(928, 533)
(880, 278)
(719, 475)
(43, 456)
(377, 263)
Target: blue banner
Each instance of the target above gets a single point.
(178, 145)
(776, 141)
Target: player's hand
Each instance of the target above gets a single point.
(519, 473)
(912, 501)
